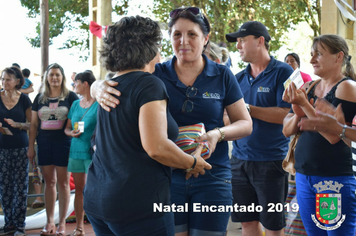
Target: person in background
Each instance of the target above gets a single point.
(293, 60)
(142, 157)
(219, 55)
(80, 156)
(216, 53)
(330, 164)
(199, 91)
(73, 80)
(27, 88)
(16, 65)
(49, 117)
(15, 115)
(256, 161)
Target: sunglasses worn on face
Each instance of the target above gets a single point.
(188, 105)
(194, 10)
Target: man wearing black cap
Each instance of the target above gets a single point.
(258, 178)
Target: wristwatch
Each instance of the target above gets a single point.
(342, 135)
(193, 166)
(248, 108)
(222, 134)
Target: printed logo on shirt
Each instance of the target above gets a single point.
(263, 89)
(328, 205)
(211, 95)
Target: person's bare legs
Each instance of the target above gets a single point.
(252, 228)
(50, 193)
(63, 196)
(79, 181)
(38, 190)
(274, 233)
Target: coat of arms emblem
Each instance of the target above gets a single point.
(328, 205)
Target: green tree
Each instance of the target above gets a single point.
(68, 16)
(225, 16)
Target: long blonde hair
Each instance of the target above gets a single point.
(46, 90)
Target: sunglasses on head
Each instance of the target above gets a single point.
(194, 10)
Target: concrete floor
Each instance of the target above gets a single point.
(233, 230)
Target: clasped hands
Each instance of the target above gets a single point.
(298, 98)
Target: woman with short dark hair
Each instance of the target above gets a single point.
(130, 173)
(199, 89)
(80, 126)
(15, 115)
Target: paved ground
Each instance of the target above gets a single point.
(232, 230)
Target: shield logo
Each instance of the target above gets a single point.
(328, 207)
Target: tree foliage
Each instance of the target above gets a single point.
(67, 16)
(225, 17)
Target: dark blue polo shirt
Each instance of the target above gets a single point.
(266, 143)
(216, 89)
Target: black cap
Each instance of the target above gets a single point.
(255, 28)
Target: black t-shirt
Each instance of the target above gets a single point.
(52, 115)
(123, 181)
(19, 139)
(315, 155)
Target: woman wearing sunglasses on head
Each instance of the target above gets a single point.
(199, 90)
(130, 174)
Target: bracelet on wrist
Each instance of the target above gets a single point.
(222, 134)
(342, 135)
(248, 108)
(193, 166)
(20, 126)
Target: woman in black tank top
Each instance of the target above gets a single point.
(324, 176)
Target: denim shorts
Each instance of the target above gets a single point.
(161, 226)
(53, 151)
(209, 191)
(259, 183)
(306, 197)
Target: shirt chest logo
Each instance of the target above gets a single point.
(263, 89)
(211, 95)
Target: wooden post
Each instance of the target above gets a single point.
(99, 12)
(44, 35)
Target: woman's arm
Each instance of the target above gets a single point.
(299, 97)
(69, 132)
(154, 138)
(241, 122)
(241, 126)
(32, 136)
(20, 125)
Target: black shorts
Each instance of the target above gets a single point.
(53, 151)
(261, 187)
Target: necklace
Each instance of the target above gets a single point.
(87, 104)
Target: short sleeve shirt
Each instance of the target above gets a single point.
(267, 142)
(80, 147)
(123, 180)
(19, 139)
(216, 88)
(27, 83)
(52, 115)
